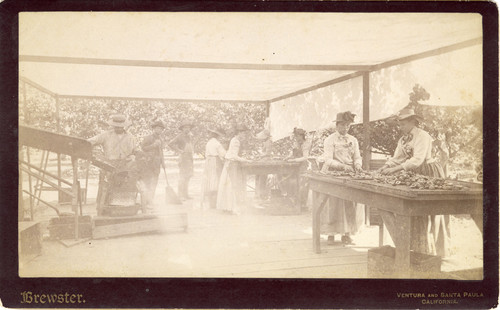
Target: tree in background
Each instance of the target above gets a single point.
(86, 117)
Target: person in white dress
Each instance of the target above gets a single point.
(231, 193)
(341, 153)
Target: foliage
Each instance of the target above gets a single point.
(83, 117)
(461, 127)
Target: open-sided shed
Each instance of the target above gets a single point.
(295, 63)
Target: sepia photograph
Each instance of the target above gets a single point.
(229, 145)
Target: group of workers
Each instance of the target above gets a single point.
(224, 187)
(121, 148)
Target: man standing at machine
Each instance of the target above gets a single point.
(119, 147)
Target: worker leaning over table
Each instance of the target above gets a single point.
(300, 154)
(119, 146)
(341, 153)
(429, 234)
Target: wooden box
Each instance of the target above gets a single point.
(381, 263)
(64, 227)
(30, 240)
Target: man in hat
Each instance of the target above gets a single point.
(341, 152)
(152, 146)
(119, 146)
(214, 161)
(182, 144)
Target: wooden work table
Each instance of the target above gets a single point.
(396, 205)
(265, 167)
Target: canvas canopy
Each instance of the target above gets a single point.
(306, 66)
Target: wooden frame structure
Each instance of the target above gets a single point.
(360, 71)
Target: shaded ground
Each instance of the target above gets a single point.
(218, 244)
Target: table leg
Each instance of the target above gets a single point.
(298, 192)
(319, 201)
(244, 199)
(478, 219)
(402, 261)
(399, 227)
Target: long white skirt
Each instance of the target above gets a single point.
(231, 193)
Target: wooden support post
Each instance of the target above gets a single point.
(30, 184)
(76, 192)
(20, 201)
(367, 150)
(58, 130)
(27, 153)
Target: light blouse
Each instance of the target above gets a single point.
(234, 150)
(340, 150)
(413, 150)
(214, 148)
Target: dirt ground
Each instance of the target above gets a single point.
(217, 244)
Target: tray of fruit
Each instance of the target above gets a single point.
(361, 175)
(417, 181)
(335, 173)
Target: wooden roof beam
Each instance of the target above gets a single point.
(161, 99)
(37, 86)
(194, 65)
(435, 52)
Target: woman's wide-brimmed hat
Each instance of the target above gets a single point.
(186, 124)
(158, 123)
(345, 117)
(119, 120)
(217, 131)
(408, 113)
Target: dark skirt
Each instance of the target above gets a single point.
(431, 234)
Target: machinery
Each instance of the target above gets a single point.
(117, 199)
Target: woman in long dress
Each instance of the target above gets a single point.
(214, 161)
(341, 153)
(231, 193)
(429, 234)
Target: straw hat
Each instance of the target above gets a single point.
(119, 120)
(408, 113)
(345, 117)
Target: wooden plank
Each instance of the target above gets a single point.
(430, 53)
(107, 231)
(55, 142)
(164, 100)
(319, 201)
(72, 242)
(185, 64)
(320, 85)
(474, 190)
(37, 86)
(367, 152)
(291, 264)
